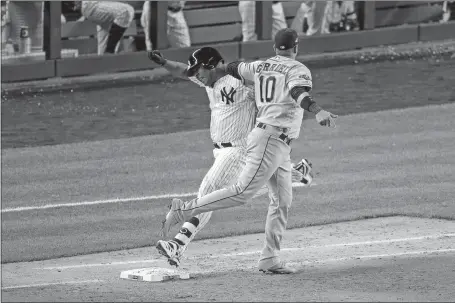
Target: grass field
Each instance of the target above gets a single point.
(378, 162)
(174, 106)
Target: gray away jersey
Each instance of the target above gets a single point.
(273, 80)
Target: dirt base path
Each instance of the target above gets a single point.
(383, 259)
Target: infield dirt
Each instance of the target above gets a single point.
(385, 259)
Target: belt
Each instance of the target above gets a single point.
(220, 145)
(264, 126)
(283, 136)
(242, 142)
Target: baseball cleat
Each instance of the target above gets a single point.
(280, 268)
(305, 168)
(170, 250)
(173, 217)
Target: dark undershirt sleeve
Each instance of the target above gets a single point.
(296, 91)
(307, 102)
(233, 69)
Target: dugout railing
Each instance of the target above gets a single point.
(374, 31)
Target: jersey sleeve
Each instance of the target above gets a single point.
(299, 76)
(247, 71)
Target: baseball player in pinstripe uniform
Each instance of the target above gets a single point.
(233, 115)
(282, 87)
(112, 19)
(247, 10)
(178, 33)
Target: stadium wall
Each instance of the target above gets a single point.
(124, 62)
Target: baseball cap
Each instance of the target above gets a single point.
(286, 38)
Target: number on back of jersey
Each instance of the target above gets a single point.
(267, 88)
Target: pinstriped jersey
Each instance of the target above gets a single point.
(273, 80)
(233, 110)
(105, 13)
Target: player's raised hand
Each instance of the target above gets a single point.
(326, 118)
(157, 57)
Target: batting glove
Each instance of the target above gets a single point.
(157, 57)
(325, 118)
(304, 169)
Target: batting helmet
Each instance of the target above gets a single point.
(206, 57)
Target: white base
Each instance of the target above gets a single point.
(154, 274)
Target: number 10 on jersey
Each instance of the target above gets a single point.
(267, 88)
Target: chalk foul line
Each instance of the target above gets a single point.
(355, 257)
(51, 284)
(385, 241)
(215, 256)
(116, 200)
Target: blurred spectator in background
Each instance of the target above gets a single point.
(112, 20)
(24, 18)
(323, 17)
(178, 33)
(448, 11)
(6, 27)
(314, 13)
(340, 16)
(247, 11)
(300, 21)
(71, 11)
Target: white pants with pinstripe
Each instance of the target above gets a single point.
(267, 163)
(104, 14)
(178, 33)
(315, 12)
(224, 172)
(247, 11)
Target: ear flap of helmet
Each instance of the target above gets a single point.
(192, 69)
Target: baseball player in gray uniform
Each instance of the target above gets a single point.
(233, 115)
(112, 19)
(282, 87)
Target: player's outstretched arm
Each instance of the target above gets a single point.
(228, 69)
(177, 69)
(240, 70)
(301, 95)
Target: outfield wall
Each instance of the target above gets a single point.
(124, 62)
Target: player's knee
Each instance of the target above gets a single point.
(125, 16)
(206, 188)
(243, 192)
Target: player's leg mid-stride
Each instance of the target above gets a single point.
(173, 249)
(264, 168)
(225, 170)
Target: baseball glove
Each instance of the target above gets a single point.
(302, 171)
(157, 57)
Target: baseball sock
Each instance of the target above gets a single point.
(115, 34)
(188, 228)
